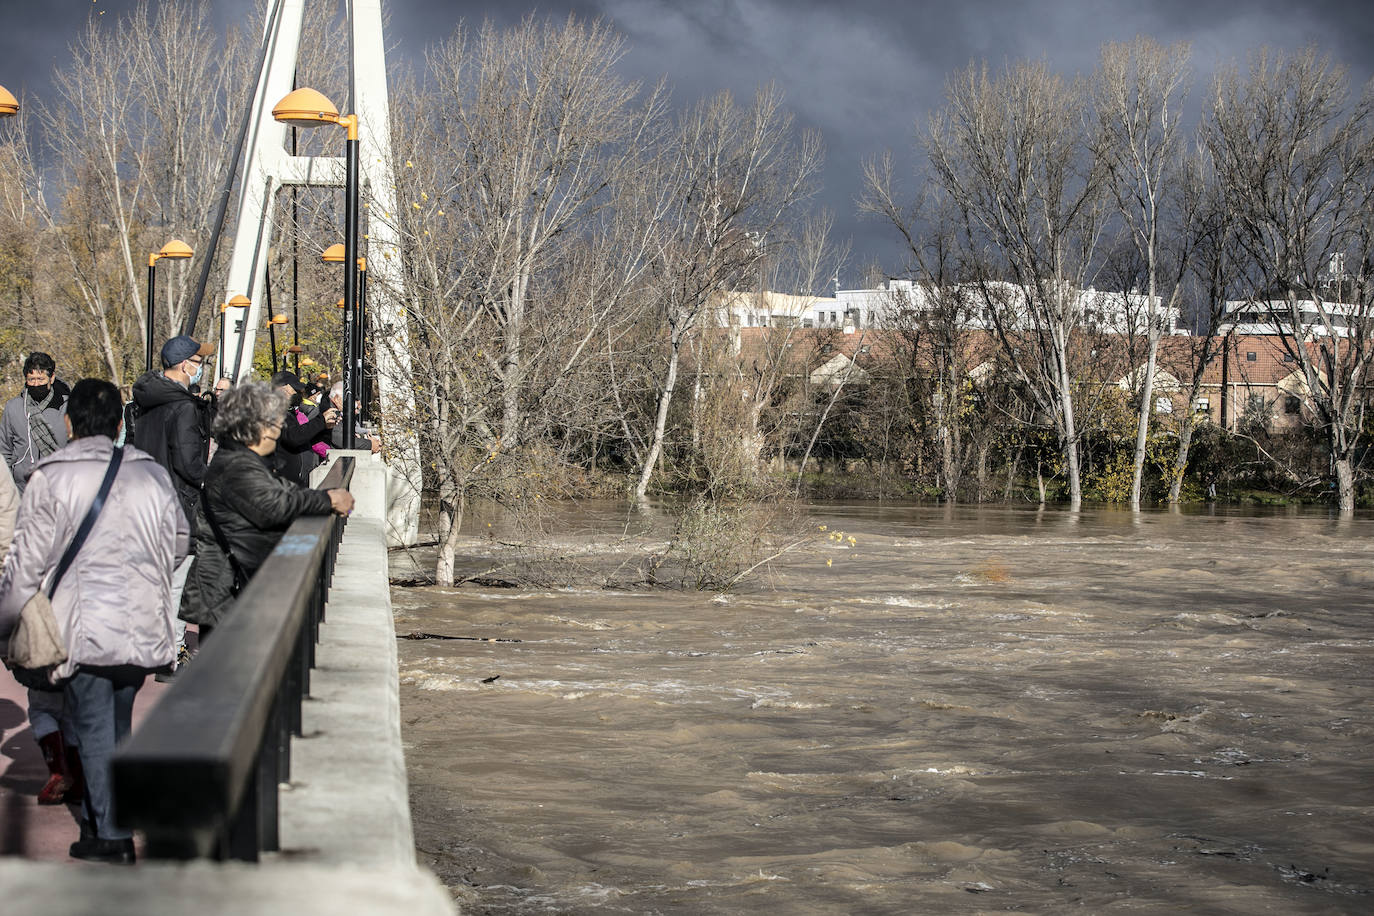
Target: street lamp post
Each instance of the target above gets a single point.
(176, 250)
(237, 302)
(307, 108)
(356, 358)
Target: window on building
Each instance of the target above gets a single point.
(1289, 358)
(1292, 405)
(1251, 356)
(1202, 405)
(1164, 405)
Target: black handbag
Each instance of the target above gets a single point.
(216, 576)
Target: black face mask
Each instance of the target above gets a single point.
(296, 399)
(38, 392)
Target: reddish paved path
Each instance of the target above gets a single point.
(41, 832)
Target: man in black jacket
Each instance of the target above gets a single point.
(295, 456)
(173, 425)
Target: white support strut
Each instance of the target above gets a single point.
(267, 167)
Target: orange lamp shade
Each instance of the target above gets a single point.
(305, 107)
(9, 105)
(334, 254)
(176, 249)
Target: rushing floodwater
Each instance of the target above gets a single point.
(968, 711)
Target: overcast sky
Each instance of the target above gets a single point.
(863, 72)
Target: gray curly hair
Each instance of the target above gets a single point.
(247, 411)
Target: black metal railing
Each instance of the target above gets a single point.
(199, 777)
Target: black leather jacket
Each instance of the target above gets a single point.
(253, 506)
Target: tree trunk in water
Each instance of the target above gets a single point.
(1345, 485)
(1070, 438)
(982, 472)
(1185, 442)
(1142, 432)
(660, 424)
(1012, 467)
(948, 484)
(448, 543)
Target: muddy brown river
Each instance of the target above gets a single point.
(965, 710)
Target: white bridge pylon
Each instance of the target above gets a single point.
(266, 168)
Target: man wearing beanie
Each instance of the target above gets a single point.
(173, 425)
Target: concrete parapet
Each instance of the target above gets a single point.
(348, 800)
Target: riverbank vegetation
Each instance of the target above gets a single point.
(585, 260)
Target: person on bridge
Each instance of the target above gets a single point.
(245, 508)
(173, 425)
(301, 445)
(371, 442)
(31, 427)
(114, 605)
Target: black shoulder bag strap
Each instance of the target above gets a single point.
(240, 577)
(88, 522)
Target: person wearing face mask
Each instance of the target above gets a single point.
(301, 445)
(246, 508)
(173, 425)
(32, 426)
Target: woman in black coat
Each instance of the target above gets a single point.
(251, 506)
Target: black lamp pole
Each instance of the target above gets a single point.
(350, 281)
(359, 335)
(152, 288)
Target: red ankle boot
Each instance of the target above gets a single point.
(60, 780)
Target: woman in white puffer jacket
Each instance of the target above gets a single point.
(113, 606)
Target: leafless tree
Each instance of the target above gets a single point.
(735, 177)
(511, 164)
(932, 319)
(1295, 159)
(1139, 91)
(139, 130)
(1212, 271)
(1011, 152)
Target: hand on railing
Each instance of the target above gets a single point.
(341, 501)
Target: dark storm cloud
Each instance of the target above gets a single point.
(863, 72)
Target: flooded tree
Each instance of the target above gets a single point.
(1010, 151)
(1139, 91)
(1211, 273)
(512, 160)
(736, 175)
(1295, 158)
(931, 318)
